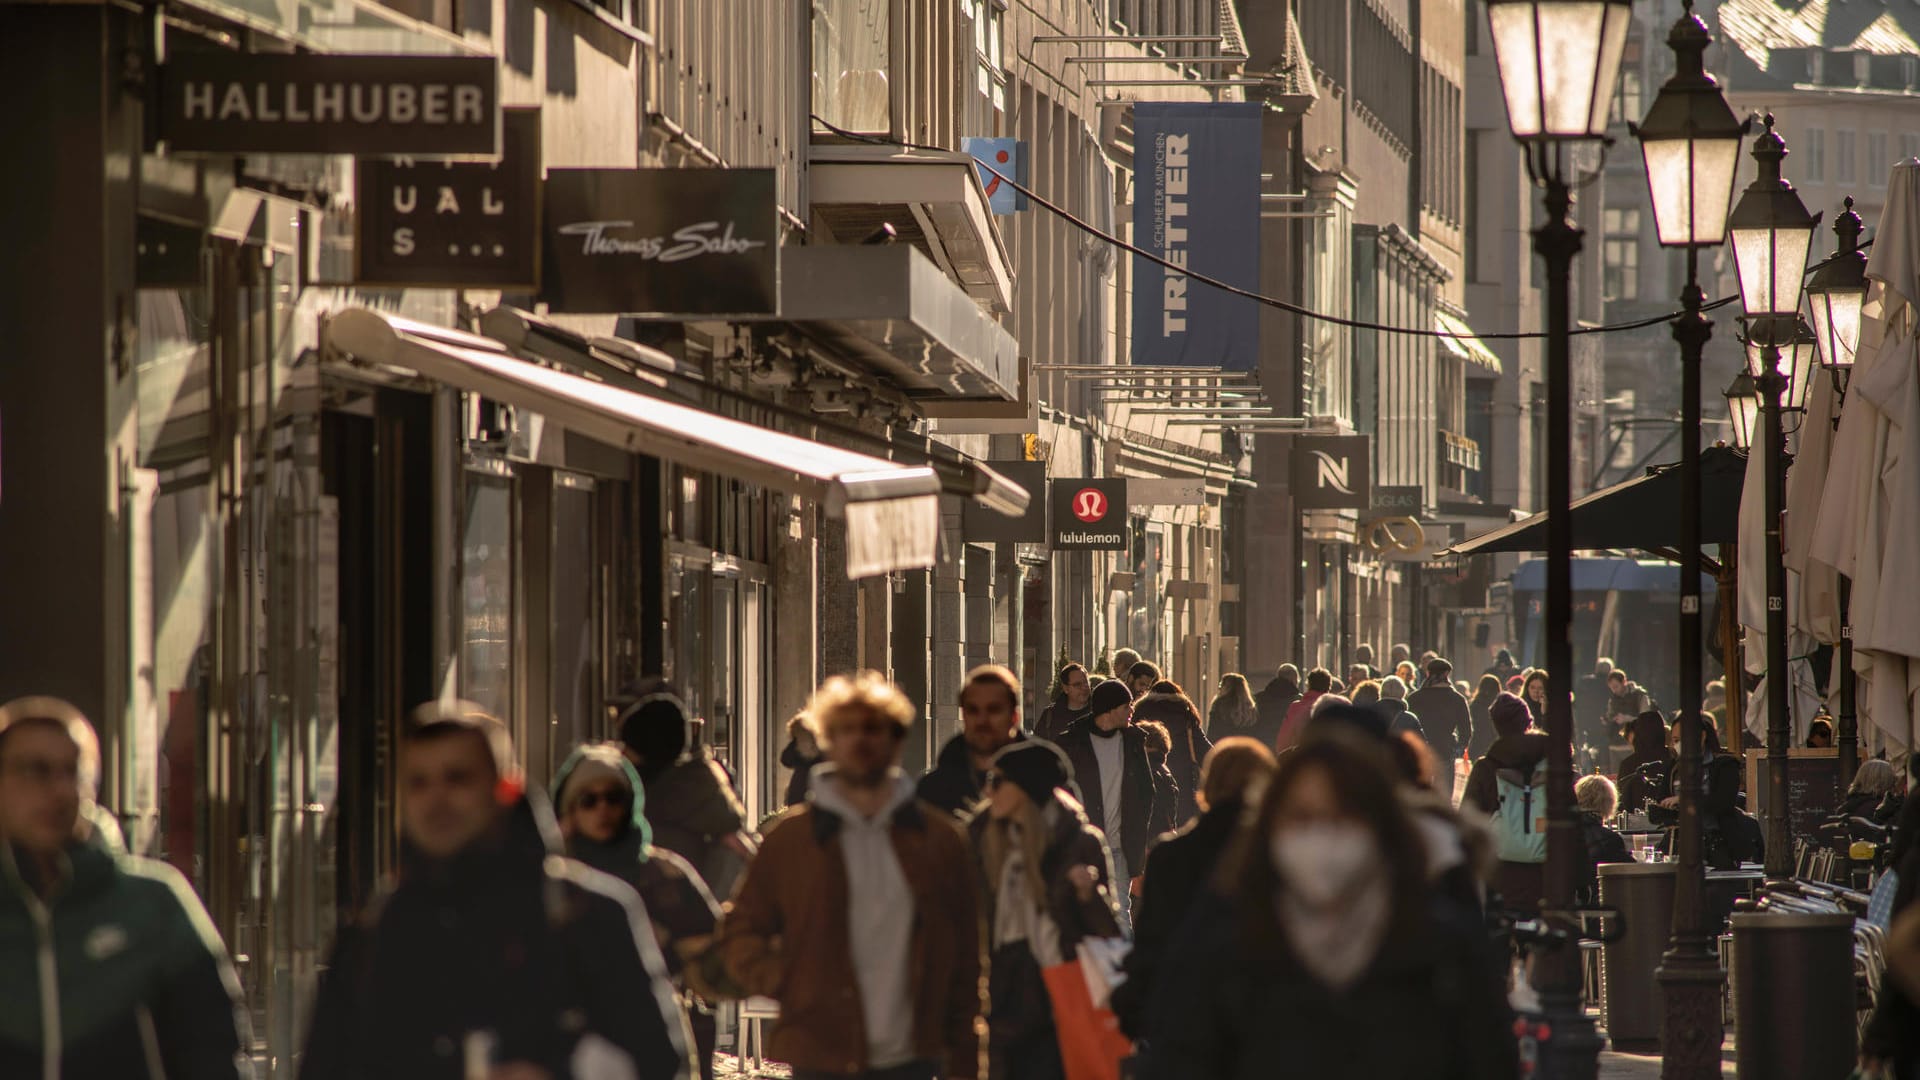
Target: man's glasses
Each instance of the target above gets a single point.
(591, 800)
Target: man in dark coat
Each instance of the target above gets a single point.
(691, 802)
(1445, 721)
(1180, 866)
(492, 950)
(1109, 756)
(1518, 751)
(989, 719)
(1271, 703)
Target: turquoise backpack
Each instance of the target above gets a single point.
(1520, 825)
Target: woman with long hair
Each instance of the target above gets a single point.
(1047, 882)
(1322, 924)
(1534, 691)
(1483, 696)
(1232, 711)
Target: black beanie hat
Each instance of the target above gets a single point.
(1036, 767)
(1109, 696)
(656, 727)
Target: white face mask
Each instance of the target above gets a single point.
(1325, 862)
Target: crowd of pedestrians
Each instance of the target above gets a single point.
(1277, 874)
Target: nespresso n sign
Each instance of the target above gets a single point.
(239, 103)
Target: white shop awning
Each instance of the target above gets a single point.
(892, 511)
(1459, 339)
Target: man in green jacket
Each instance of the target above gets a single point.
(109, 966)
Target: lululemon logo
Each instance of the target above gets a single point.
(1331, 472)
(1089, 505)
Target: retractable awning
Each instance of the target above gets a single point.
(892, 511)
(1459, 339)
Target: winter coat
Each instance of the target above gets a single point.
(1177, 871)
(786, 936)
(1056, 718)
(1431, 1007)
(1227, 717)
(1604, 845)
(1298, 714)
(1647, 773)
(1520, 884)
(1445, 720)
(507, 938)
(802, 769)
(1140, 805)
(1022, 1041)
(1166, 801)
(953, 784)
(692, 808)
(1399, 718)
(132, 976)
(1188, 741)
(1271, 704)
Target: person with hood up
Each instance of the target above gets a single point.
(602, 811)
(1319, 681)
(1503, 667)
(989, 720)
(111, 966)
(1232, 711)
(1646, 775)
(1109, 756)
(1187, 738)
(1324, 942)
(1272, 703)
(1393, 706)
(800, 755)
(1513, 763)
(1067, 706)
(1233, 775)
(695, 814)
(491, 953)
(1046, 885)
(1446, 722)
(861, 913)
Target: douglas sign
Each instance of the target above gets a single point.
(661, 242)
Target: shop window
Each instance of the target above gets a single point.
(486, 635)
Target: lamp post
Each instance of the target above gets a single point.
(1690, 141)
(1772, 233)
(1835, 298)
(1558, 61)
(1743, 409)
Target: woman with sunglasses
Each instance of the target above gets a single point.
(601, 808)
(1046, 879)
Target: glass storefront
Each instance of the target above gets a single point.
(487, 592)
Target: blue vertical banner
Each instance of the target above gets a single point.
(1196, 203)
(996, 161)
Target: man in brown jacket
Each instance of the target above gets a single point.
(860, 914)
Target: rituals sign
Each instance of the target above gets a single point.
(221, 102)
(454, 224)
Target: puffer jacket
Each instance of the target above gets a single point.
(694, 811)
(132, 981)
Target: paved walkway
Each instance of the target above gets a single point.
(1647, 1066)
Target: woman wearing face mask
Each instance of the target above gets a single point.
(1045, 876)
(1323, 936)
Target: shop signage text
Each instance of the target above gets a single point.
(1197, 187)
(661, 242)
(1398, 499)
(222, 102)
(1332, 472)
(1089, 515)
(454, 224)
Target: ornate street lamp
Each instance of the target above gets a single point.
(1743, 409)
(1690, 142)
(1798, 349)
(1835, 297)
(1772, 233)
(1558, 62)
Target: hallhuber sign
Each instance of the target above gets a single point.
(1332, 472)
(665, 242)
(220, 102)
(1089, 515)
(454, 224)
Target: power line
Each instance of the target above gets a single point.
(1261, 298)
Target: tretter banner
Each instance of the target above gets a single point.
(1196, 204)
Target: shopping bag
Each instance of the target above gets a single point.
(1091, 1044)
(1100, 960)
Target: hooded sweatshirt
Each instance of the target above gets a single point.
(880, 915)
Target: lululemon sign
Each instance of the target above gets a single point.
(1332, 472)
(1089, 515)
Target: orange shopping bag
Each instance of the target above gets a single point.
(1091, 1044)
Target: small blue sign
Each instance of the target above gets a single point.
(1000, 160)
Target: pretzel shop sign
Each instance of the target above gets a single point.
(222, 102)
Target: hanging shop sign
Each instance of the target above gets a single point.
(997, 161)
(1398, 499)
(1196, 191)
(454, 224)
(222, 102)
(1332, 472)
(1089, 515)
(662, 242)
(982, 525)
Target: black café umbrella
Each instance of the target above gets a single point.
(1643, 513)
